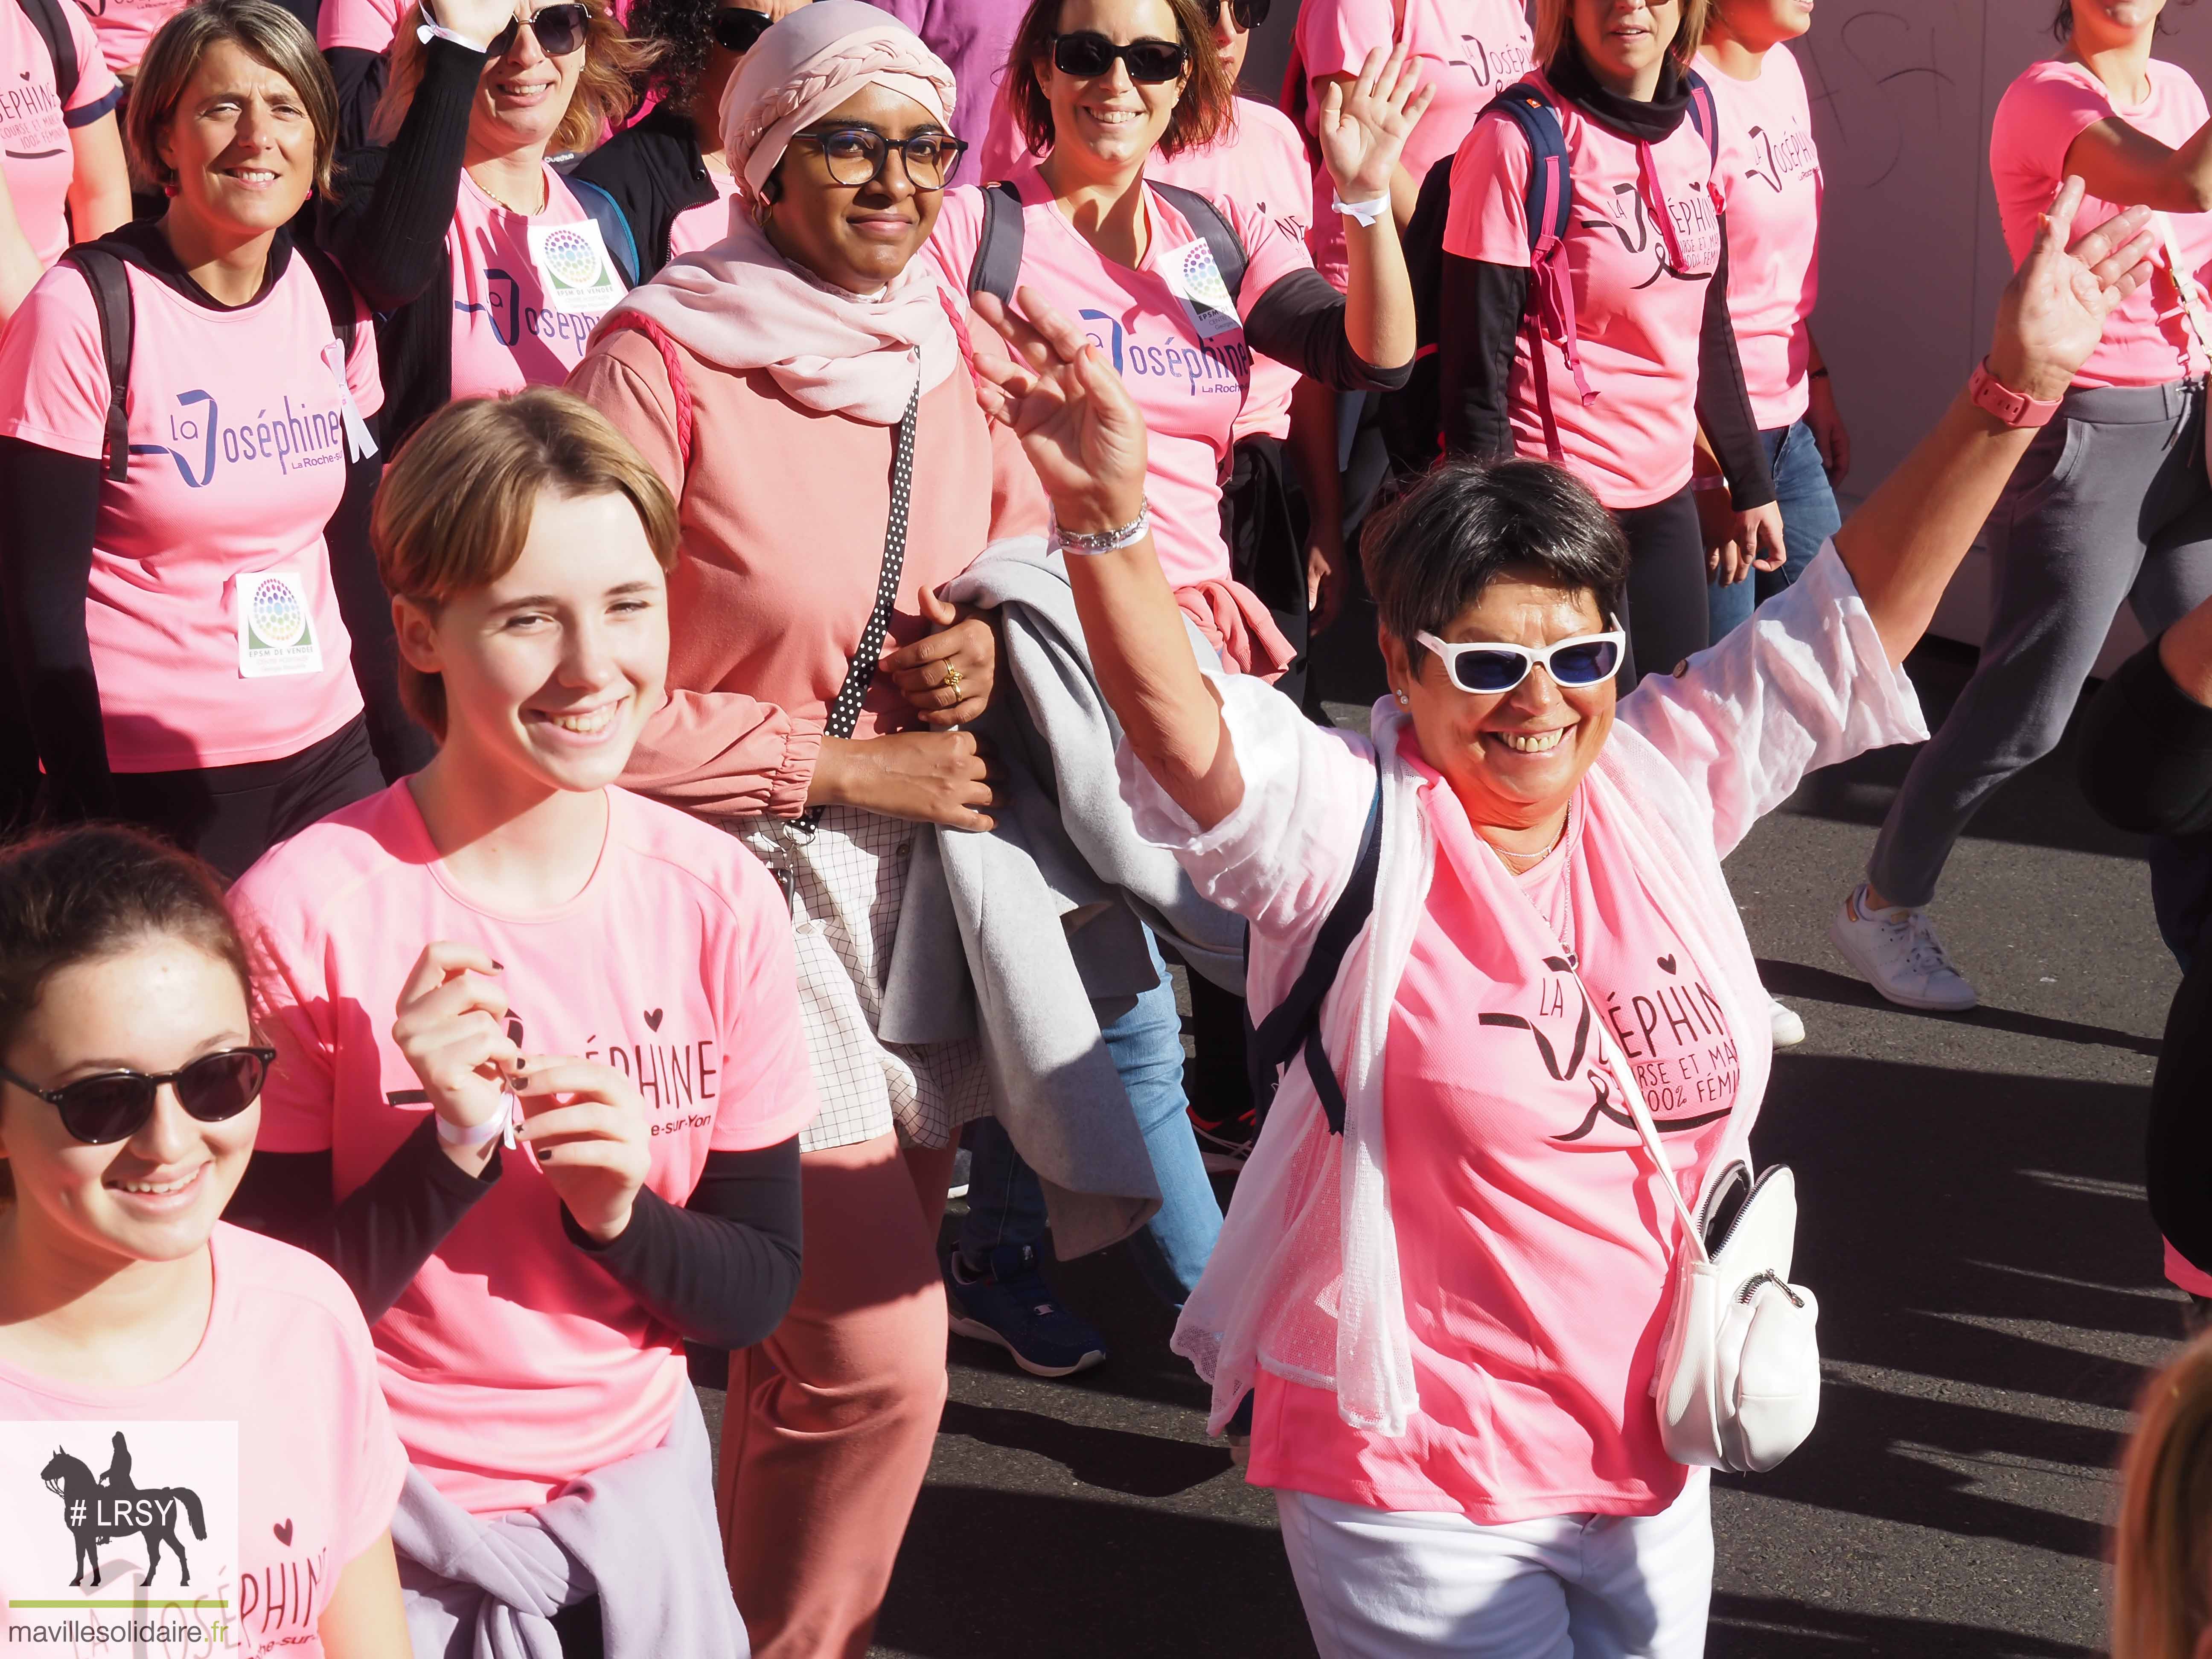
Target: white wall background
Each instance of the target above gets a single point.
(1912, 259)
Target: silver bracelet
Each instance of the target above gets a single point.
(1100, 541)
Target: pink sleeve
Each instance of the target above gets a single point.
(2038, 120)
(1270, 252)
(725, 755)
(766, 1093)
(364, 377)
(97, 90)
(1489, 218)
(362, 25)
(53, 376)
(291, 1014)
(1335, 36)
(378, 1467)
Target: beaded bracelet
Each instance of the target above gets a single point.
(1100, 541)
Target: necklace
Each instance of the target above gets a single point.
(1528, 861)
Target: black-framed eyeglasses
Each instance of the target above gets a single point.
(559, 30)
(1248, 14)
(855, 156)
(115, 1105)
(736, 28)
(1486, 667)
(1089, 54)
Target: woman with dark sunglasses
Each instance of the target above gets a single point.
(665, 170)
(130, 1081)
(1444, 1289)
(486, 272)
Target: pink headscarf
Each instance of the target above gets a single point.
(740, 304)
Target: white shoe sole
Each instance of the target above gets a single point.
(1784, 1026)
(976, 1331)
(1838, 937)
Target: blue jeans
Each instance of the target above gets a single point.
(1006, 1205)
(1809, 516)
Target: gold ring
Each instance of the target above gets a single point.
(952, 678)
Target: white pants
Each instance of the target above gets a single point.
(1382, 1584)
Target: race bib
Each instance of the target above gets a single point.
(276, 634)
(573, 269)
(1196, 280)
(120, 1537)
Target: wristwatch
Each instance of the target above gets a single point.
(2012, 408)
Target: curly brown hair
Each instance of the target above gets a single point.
(605, 86)
(1205, 104)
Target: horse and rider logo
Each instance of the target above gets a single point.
(97, 1509)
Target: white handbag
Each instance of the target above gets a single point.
(1738, 1382)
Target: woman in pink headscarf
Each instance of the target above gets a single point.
(800, 386)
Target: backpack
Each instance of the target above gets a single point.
(1412, 419)
(997, 264)
(52, 28)
(614, 224)
(105, 274)
(1293, 1026)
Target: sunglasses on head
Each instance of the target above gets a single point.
(1490, 667)
(558, 30)
(1089, 54)
(736, 28)
(1248, 14)
(115, 1105)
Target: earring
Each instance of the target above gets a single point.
(1402, 700)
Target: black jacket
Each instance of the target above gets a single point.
(654, 171)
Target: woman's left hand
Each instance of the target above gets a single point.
(2053, 311)
(1365, 126)
(595, 1146)
(948, 676)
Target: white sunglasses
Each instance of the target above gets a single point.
(1490, 667)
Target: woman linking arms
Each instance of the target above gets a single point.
(1455, 1307)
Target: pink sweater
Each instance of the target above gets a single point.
(782, 512)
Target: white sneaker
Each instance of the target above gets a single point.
(1897, 953)
(1788, 1030)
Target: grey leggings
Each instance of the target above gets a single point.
(2110, 504)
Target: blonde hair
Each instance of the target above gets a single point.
(264, 32)
(2162, 1568)
(454, 509)
(606, 85)
(1555, 29)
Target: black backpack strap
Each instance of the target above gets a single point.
(46, 18)
(337, 294)
(1211, 223)
(997, 264)
(1293, 1026)
(1702, 116)
(105, 274)
(614, 226)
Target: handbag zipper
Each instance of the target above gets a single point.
(1768, 1275)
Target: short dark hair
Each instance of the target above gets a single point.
(1429, 554)
(1204, 109)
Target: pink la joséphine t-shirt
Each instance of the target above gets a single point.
(698, 228)
(2147, 340)
(1770, 187)
(362, 25)
(1524, 1204)
(35, 148)
(1638, 316)
(514, 1364)
(238, 459)
(509, 331)
(127, 27)
(1469, 50)
(285, 1368)
(1187, 367)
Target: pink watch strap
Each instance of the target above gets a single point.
(2014, 408)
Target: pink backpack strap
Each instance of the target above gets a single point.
(671, 359)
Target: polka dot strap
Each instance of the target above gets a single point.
(860, 673)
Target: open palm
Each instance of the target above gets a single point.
(1364, 127)
(1076, 421)
(2053, 311)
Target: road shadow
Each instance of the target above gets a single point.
(1118, 1459)
(1758, 1627)
(1796, 979)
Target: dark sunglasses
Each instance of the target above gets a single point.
(1248, 14)
(1089, 54)
(1487, 668)
(855, 156)
(736, 28)
(115, 1105)
(560, 30)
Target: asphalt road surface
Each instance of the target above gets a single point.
(1972, 1221)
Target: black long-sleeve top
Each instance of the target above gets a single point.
(654, 170)
(2147, 766)
(46, 537)
(359, 75)
(719, 1270)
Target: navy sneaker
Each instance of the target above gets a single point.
(1007, 1302)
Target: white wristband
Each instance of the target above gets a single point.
(426, 31)
(500, 1127)
(1366, 212)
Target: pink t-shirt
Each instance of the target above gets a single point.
(214, 631)
(698, 228)
(512, 1363)
(1186, 363)
(285, 1373)
(1637, 315)
(363, 24)
(127, 27)
(34, 126)
(513, 325)
(1535, 1266)
(1260, 164)
(1469, 50)
(1770, 186)
(2147, 341)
